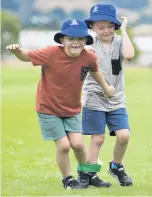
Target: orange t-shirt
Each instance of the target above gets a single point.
(59, 89)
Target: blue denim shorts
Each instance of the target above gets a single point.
(53, 127)
(94, 122)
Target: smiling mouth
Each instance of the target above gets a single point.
(76, 47)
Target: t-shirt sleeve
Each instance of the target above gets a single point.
(40, 56)
(93, 62)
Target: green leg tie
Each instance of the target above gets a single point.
(89, 167)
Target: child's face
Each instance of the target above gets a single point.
(104, 30)
(73, 46)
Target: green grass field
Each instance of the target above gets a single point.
(28, 163)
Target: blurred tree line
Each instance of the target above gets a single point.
(30, 17)
(10, 28)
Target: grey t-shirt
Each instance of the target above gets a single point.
(111, 65)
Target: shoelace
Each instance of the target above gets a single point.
(97, 179)
(72, 182)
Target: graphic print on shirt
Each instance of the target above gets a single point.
(84, 72)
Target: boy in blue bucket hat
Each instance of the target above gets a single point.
(59, 91)
(98, 110)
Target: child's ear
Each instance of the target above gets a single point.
(61, 40)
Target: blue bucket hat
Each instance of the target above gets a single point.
(73, 28)
(103, 12)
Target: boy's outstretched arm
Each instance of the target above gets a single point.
(20, 53)
(108, 90)
(127, 47)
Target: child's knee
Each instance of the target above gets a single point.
(123, 136)
(64, 147)
(77, 146)
(98, 140)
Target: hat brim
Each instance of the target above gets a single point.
(102, 18)
(59, 35)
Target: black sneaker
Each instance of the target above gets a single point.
(97, 182)
(71, 183)
(120, 175)
(83, 179)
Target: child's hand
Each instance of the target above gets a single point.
(124, 22)
(13, 48)
(110, 91)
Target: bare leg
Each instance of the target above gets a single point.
(94, 148)
(95, 144)
(76, 143)
(62, 155)
(122, 139)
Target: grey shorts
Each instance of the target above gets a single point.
(53, 127)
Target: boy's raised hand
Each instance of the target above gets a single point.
(124, 22)
(13, 48)
(20, 53)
